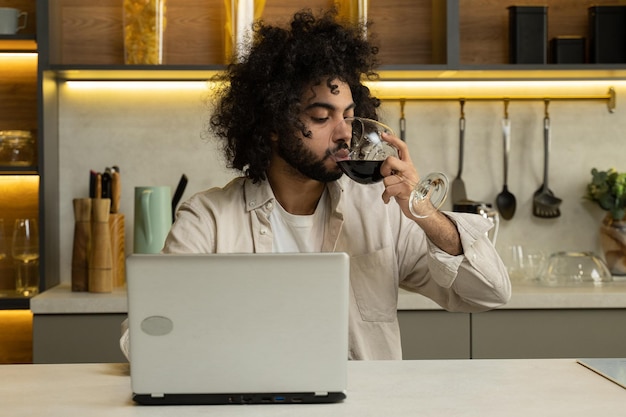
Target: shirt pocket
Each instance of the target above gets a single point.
(374, 283)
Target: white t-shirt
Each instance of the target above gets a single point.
(299, 233)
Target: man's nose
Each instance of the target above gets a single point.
(343, 131)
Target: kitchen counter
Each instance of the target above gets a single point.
(61, 300)
(529, 295)
(539, 387)
(538, 322)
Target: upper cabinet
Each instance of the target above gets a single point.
(19, 166)
(418, 39)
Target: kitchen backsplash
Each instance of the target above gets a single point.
(156, 136)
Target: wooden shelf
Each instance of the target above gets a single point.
(387, 73)
(508, 72)
(10, 302)
(13, 170)
(135, 72)
(18, 43)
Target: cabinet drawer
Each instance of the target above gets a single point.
(549, 333)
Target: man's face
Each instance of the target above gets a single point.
(323, 110)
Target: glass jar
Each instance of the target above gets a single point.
(144, 23)
(17, 148)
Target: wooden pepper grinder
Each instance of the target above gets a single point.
(117, 228)
(100, 260)
(82, 241)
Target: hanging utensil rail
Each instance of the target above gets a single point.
(609, 97)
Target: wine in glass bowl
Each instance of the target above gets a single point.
(358, 147)
(364, 172)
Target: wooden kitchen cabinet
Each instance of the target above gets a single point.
(84, 33)
(19, 185)
(483, 26)
(418, 39)
(576, 333)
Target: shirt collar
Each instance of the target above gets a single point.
(259, 194)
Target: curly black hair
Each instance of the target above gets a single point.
(262, 94)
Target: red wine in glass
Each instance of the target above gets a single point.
(363, 172)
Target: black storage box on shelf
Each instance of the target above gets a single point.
(568, 50)
(607, 34)
(528, 34)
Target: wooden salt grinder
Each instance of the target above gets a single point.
(100, 259)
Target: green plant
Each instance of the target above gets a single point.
(608, 189)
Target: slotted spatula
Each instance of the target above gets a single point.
(545, 203)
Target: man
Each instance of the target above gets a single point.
(276, 116)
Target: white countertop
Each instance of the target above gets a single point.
(485, 388)
(61, 300)
(536, 296)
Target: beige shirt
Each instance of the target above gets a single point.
(387, 251)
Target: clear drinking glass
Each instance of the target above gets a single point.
(362, 157)
(25, 252)
(3, 244)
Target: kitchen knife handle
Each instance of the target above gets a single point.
(116, 192)
(98, 186)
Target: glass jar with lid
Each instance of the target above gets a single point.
(17, 148)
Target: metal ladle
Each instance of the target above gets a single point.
(505, 201)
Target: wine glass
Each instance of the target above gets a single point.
(356, 144)
(25, 251)
(3, 249)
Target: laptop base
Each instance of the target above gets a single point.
(222, 399)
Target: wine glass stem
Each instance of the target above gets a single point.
(421, 203)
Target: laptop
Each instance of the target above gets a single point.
(238, 328)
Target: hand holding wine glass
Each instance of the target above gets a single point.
(25, 251)
(358, 147)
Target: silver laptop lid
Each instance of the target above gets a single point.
(238, 323)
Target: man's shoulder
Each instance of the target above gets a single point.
(231, 192)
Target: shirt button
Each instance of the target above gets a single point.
(263, 231)
(252, 203)
(269, 206)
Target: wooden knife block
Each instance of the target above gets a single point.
(98, 257)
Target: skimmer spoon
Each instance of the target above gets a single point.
(545, 204)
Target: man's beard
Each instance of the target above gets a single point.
(293, 151)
